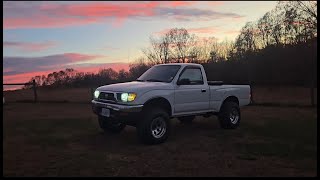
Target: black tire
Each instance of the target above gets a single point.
(149, 129)
(186, 119)
(229, 115)
(109, 125)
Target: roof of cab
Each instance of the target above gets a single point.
(182, 64)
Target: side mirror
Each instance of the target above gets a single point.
(183, 82)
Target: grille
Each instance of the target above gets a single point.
(107, 96)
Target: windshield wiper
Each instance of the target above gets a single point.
(139, 80)
(154, 80)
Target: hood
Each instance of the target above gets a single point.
(135, 86)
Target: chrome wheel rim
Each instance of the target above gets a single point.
(158, 127)
(234, 116)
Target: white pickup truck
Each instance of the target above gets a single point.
(167, 91)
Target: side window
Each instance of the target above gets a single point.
(193, 74)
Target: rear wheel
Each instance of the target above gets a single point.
(186, 119)
(154, 127)
(229, 115)
(110, 125)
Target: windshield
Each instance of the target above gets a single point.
(163, 73)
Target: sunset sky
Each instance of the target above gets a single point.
(42, 37)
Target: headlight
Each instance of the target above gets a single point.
(128, 97)
(96, 94)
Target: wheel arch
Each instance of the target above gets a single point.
(230, 98)
(159, 102)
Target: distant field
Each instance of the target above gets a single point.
(283, 95)
(280, 95)
(69, 95)
(64, 139)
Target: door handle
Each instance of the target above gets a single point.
(203, 90)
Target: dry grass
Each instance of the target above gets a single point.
(44, 95)
(64, 140)
(283, 95)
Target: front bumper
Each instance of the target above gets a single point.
(116, 107)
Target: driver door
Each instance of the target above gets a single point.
(193, 96)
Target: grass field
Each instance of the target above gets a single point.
(63, 139)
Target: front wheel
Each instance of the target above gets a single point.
(110, 125)
(154, 128)
(229, 115)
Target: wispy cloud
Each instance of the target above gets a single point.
(17, 65)
(56, 15)
(178, 3)
(29, 46)
(188, 14)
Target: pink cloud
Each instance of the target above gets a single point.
(29, 46)
(57, 15)
(76, 57)
(215, 3)
(178, 3)
(45, 22)
(203, 30)
(238, 19)
(105, 10)
(50, 15)
(23, 77)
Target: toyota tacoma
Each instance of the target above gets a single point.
(165, 91)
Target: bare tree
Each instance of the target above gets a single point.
(153, 54)
(291, 16)
(246, 39)
(225, 48)
(174, 46)
(205, 46)
(180, 39)
(300, 20)
(262, 26)
(308, 11)
(277, 24)
(160, 49)
(193, 49)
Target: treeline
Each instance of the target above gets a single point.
(279, 48)
(72, 78)
(293, 64)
